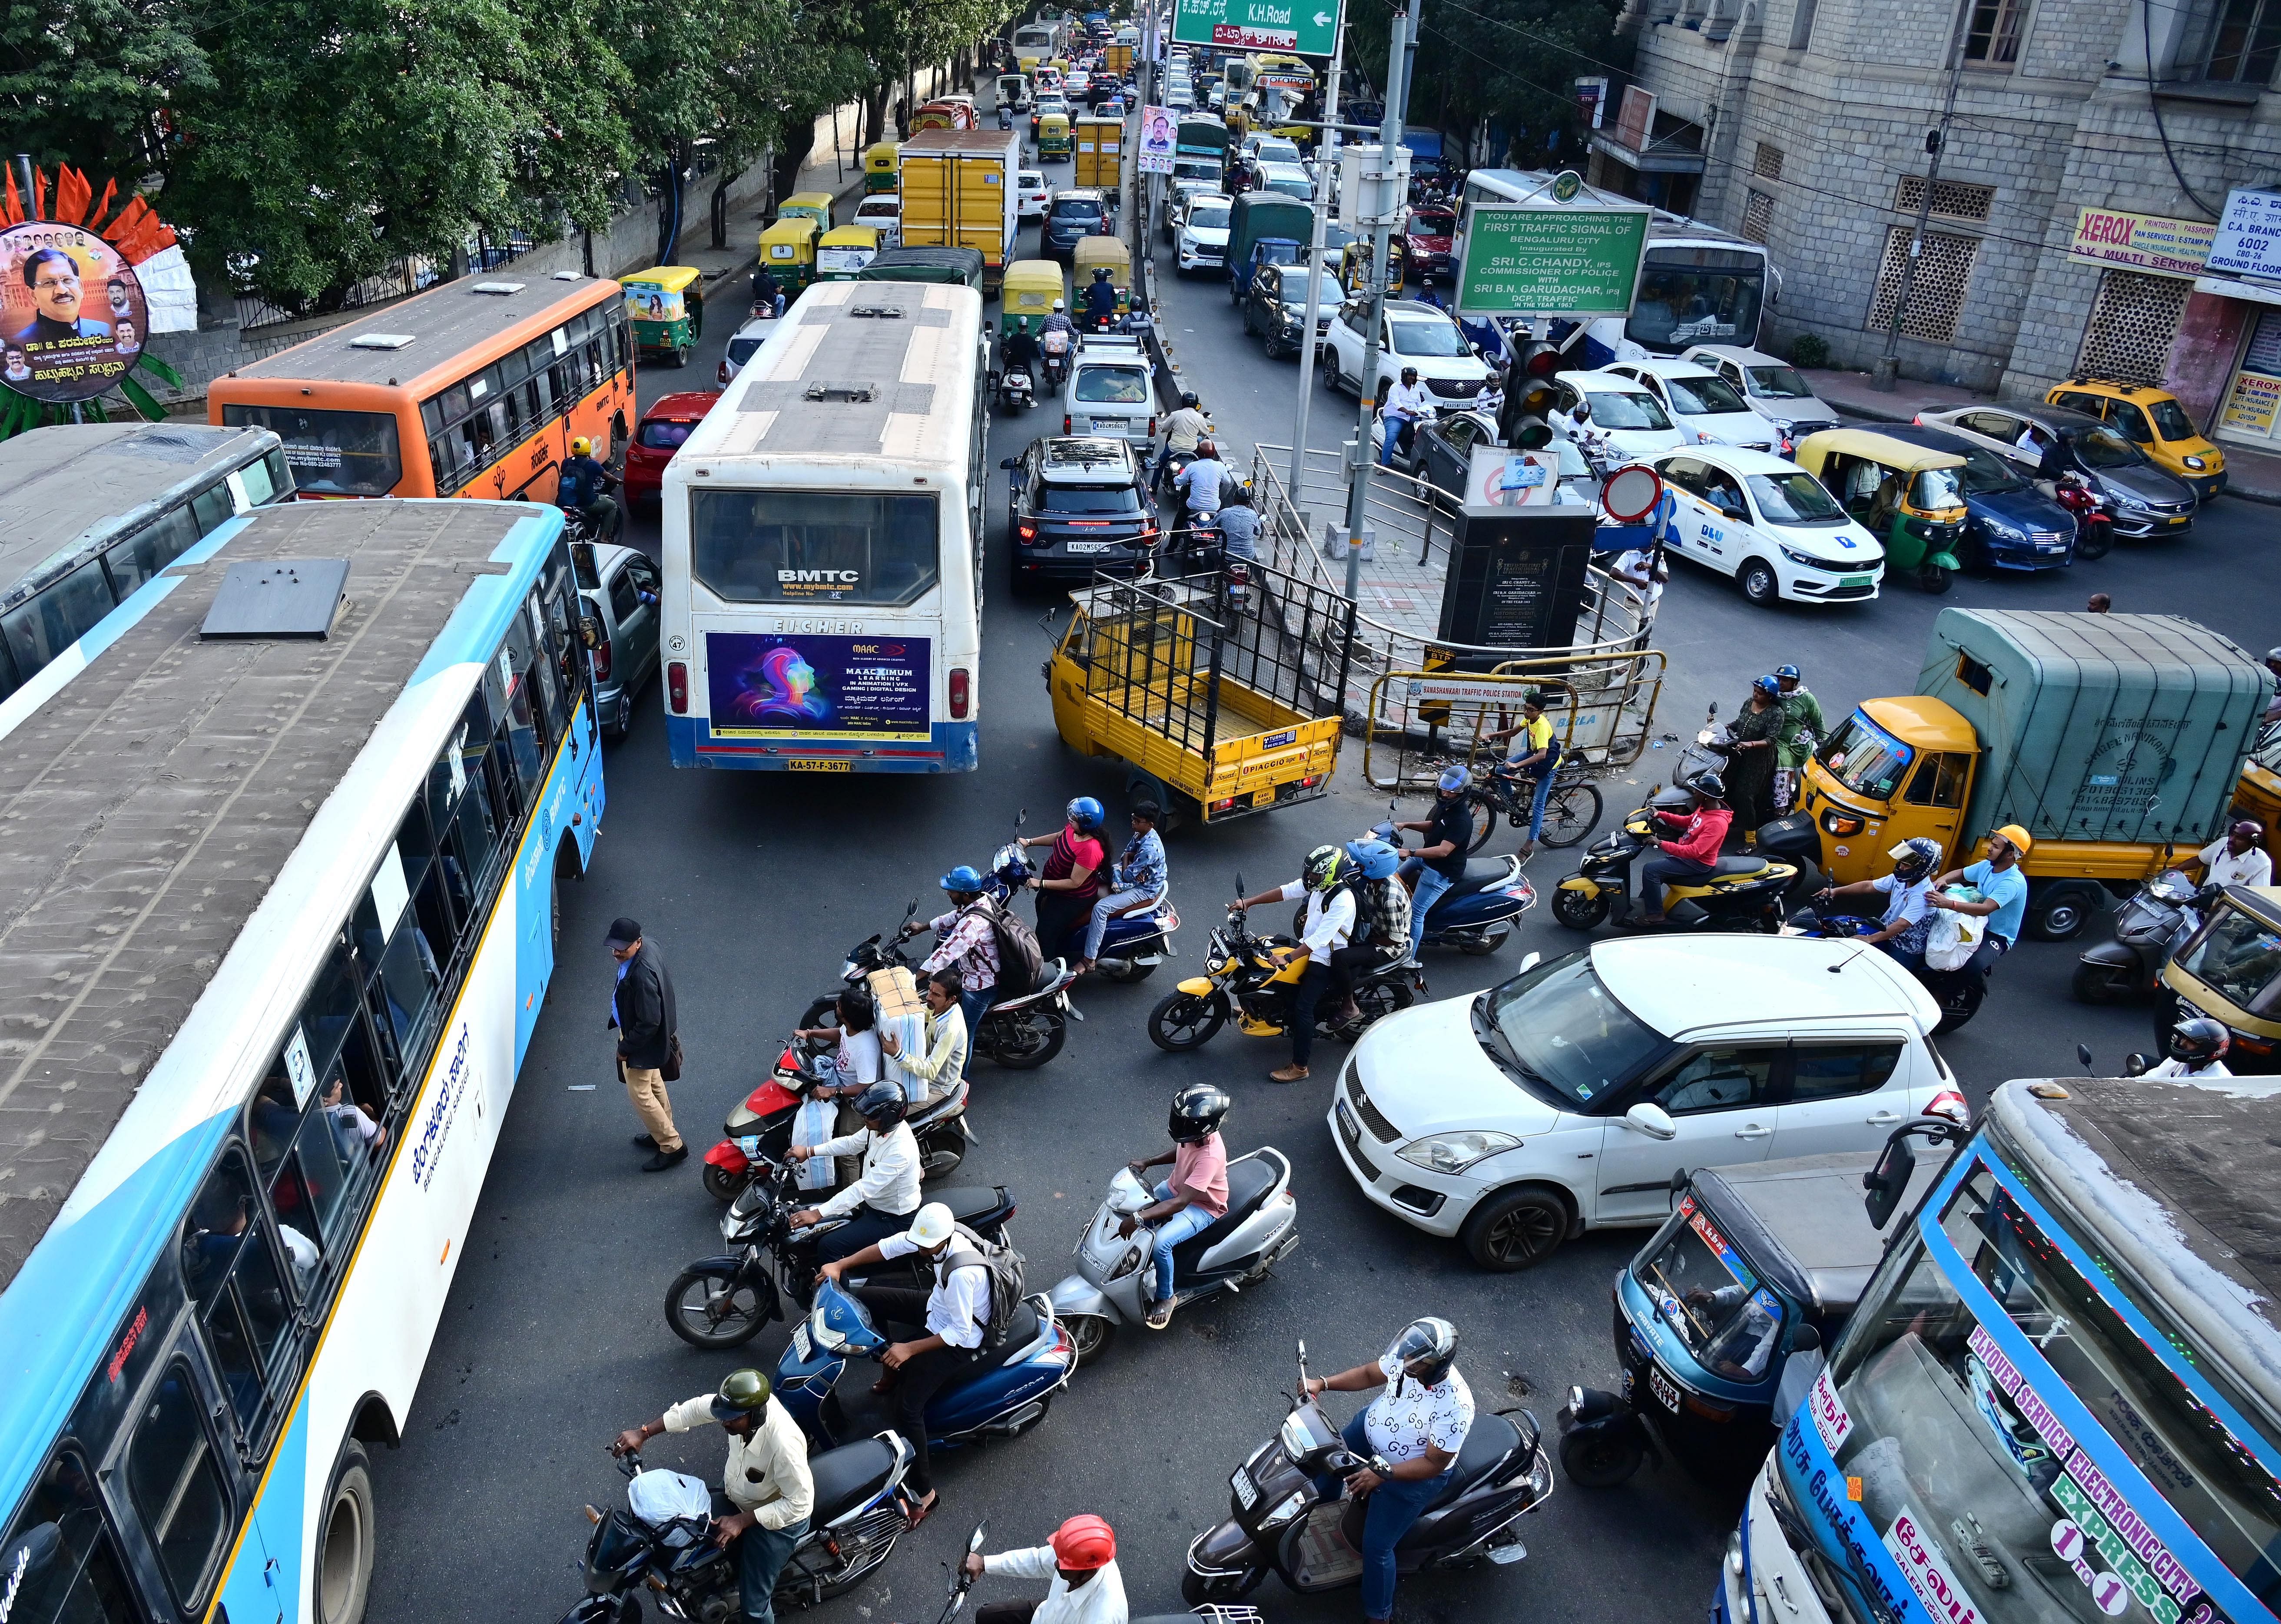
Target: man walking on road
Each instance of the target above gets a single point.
(641, 1011)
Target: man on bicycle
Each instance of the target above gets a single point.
(1533, 751)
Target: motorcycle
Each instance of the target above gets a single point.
(2148, 929)
(663, 1540)
(1958, 992)
(1280, 1522)
(1243, 981)
(1057, 368)
(719, 1302)
(1130, 948)
(1477, 914)
(759, 1126)
(2094, 526)
(1740, 894)
(1016, 390)
(1001, 1394)
(1260, 1228)
(1020, 1034)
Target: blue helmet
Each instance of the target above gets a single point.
(1085, 815)
(963, 877)
(1770, 685)
(1787, 673)
(1454, 776)
(1375, 858)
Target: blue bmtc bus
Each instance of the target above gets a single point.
(277, 923)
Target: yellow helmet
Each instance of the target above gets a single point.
(582, 447)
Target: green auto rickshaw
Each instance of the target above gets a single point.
(667, 307)
(1910, 497)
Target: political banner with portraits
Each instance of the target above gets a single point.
(72, 316)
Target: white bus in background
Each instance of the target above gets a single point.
(1037, 43)
(1697, 284)
(822, 542)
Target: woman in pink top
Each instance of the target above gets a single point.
(1195, 1196)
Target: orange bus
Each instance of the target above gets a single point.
(473, 389)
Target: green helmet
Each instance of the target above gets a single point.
(742, 1392)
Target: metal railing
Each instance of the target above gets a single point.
(401, 280)
(1602, 707)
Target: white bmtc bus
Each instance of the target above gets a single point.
(822, 597)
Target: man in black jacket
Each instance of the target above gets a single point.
(641, 1010)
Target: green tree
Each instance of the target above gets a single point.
(84, 82)
(1513, 62)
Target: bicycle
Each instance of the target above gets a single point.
(1570, 811)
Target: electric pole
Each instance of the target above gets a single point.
(1326, 183)
(1886, 375)
(1400, 47)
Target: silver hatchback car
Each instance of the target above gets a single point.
(620, 586)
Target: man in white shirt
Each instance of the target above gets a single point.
(956, 1314)
(886, 1192)
(766, 1478)
(1199, 483)
(1329, 926)
(2196, 1050)
(1081, 1561)
(936, 1072)
(2238, 860)
(1404, 403)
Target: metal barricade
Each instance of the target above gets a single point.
(1602, 707)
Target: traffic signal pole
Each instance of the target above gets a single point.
(1401, 44)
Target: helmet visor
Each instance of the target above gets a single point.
(1425, 1351)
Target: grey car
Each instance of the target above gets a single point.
(620, 586)
(2045, 442)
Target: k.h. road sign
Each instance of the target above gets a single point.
(1306, 28)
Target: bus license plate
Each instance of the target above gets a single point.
(805, 763)
(1853, 581)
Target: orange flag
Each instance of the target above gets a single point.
(73, 195)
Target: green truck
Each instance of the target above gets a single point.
(1265, 229)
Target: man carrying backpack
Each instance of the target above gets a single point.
(939, 1333)
(967, 940)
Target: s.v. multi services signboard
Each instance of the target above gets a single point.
(1578, 261)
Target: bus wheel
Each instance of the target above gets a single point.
(345, 1541)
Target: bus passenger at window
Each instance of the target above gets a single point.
(353, 1128)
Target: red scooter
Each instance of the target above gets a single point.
(760, 1126)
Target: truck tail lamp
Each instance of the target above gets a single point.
(960, 692)
(677, 686)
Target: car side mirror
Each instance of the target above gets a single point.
(1735, 513)
(1651, 1119)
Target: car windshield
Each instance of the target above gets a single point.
(1934, 489)
(1113, 385)
(1076, 208)
(1986, 474)
(1275, 150)
(2238, 956)
(1290, 183)
(1208, 216)
(1778, 383)
(1194, 169)
(1564, 1030)
(1866, 758)
(2103, 448)
(1429, 338)
(2170, 421)
(1794, 497)
(1432, 222)
(1626, 409)
(1709, 1296)
(663, 433)
(1949, 1444)
(1091, 500)
(1699, 393)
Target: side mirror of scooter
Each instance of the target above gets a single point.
(911, 908)
(2136, 1065)
(974, 1540)
(1651, 1119)
(2083, 1058)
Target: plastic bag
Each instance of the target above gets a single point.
(658, 1496)
(812, 1124)
(1955, 937)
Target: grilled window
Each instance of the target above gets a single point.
(1951, 199)
(2134, 321)
(1758, 217)
(1936, 298)
(1769, 162)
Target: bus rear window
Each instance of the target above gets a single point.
(813, 546)
(331, 453)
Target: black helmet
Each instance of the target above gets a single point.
(1708, 785)
(1423, 1351)
(1100, 273)
(1321, 870)
(1197, 1111)
(1914, 859)
(742, 1392)
(1188, 398)
(882, 1105)
(2199, 1040)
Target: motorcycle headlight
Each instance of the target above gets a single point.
(1453, 1153)
(1292, 1505)
(825, 1337)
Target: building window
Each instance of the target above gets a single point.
(2134, 321)
(1769, 162)
(1937, 299)
(1758, 217)
(1950, 199)
(2244, 42)
(1801, 26)
(1991, 35)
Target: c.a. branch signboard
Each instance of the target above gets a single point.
(1308, 28)
(1577, 261)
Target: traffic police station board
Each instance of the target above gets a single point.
(1308, 28)
(1551, 259)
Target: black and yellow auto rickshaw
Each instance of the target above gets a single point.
(1911, 498)
(2231, 971)
(882, 161)
(667, 307)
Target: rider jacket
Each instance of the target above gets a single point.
(767, 1472)
(1706, 832)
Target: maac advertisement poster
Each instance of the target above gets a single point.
(763, 683)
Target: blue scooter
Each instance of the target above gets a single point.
(1131, 949)
(1006, 1394)
(1478, 913)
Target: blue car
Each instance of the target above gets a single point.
(2009, 524)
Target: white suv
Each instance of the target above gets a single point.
(1704, 405)
(1564, 1099)
(1202, 239)
(1415, 334)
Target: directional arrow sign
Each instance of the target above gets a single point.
(1306, 27)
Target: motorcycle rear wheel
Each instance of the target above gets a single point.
(1185, 1021)
(1959, 1003)
(1089, 1334)
(2093, 984)
(1026, 1040)
(1377, 1000)
(2093, 541)
(693, 1318)
(824, 1012)
(1593, 1460)
(1578, 912)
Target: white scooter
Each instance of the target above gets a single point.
(1261, 1227)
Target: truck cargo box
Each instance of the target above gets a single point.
(2098, 727)
(958, 192)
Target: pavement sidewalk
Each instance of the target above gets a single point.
(2254, 475)
(724, 266)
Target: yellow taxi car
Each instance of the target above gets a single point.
(2152, 420)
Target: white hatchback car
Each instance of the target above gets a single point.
(1034, 194)
(1704, 405)
(1564, 1099)
(884, 213)
(1768, 523)
(1771, 385)
(1620, 410)
(1416, 334)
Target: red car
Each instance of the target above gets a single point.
(663, 428)
(1427, 240)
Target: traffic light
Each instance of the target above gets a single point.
(1522, 421)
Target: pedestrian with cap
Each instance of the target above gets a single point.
(649, 1039)
(1801, 735)
(2235, 860)
(886, 1191)
(1081, 1561)
(1442, 864)
(766, 1478)
(966, 939)
(938, 1333)
(2003, 887)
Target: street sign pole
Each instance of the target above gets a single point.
(1327, 180)
(1401, 43)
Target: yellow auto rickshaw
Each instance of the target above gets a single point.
(2230, 970)
(1911, 498)
(667, 307)
(788, 252)
(1095, 252)
(881, 161)
(1054, 135)
(842, 252)
(1354, 269)
(816, 205)
(1031, 288)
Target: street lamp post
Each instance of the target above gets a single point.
(1401, 43)
(1327, 180)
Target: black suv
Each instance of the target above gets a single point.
(1077, 504)
(1076, 212)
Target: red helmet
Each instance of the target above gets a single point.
(1084, 1543)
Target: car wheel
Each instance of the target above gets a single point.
(1515, 1229)
(1760, 582)
(1330, 369)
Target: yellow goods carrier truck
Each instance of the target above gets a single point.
(958, 192)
